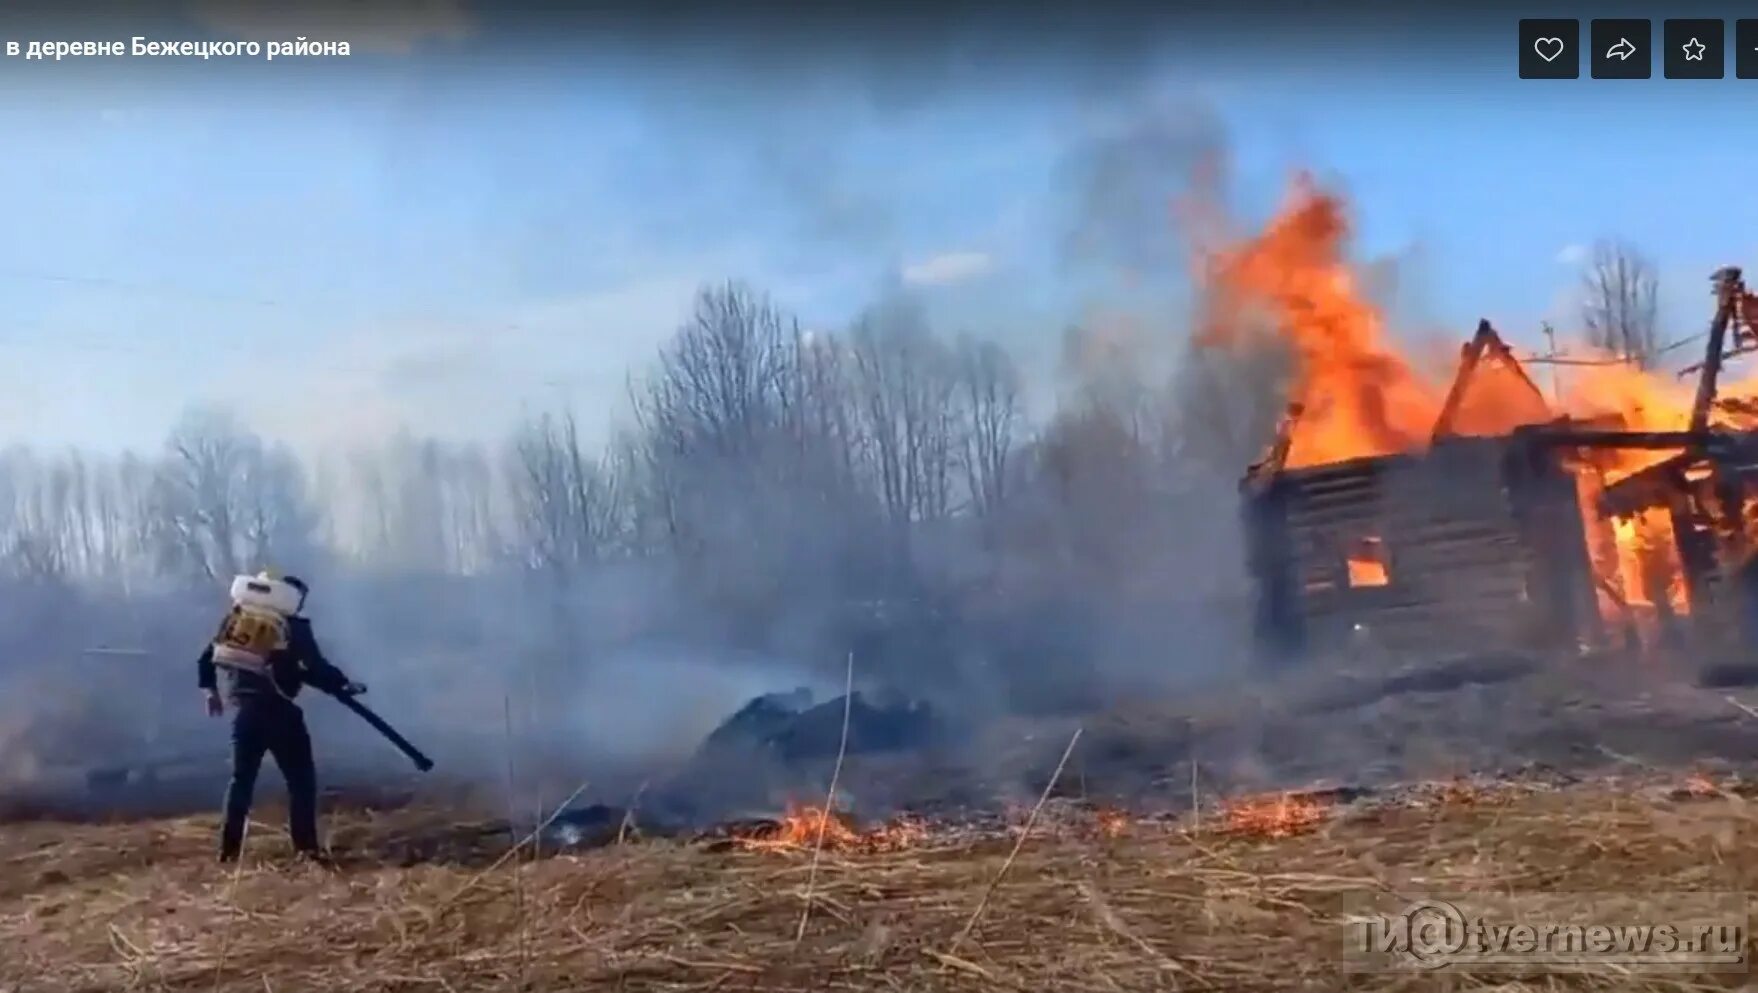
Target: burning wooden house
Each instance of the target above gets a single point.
(1511, 526)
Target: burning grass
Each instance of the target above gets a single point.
(801, 826)
(1280, 816)
(1096, 900)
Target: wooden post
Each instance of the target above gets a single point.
(1547, 507)
(1730, 293)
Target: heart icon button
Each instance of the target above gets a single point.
(1548, 48)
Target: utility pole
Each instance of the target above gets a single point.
(1556, 374)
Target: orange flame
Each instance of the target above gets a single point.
(1459, 793)
(1367, 564)
(1698, 784)
(1359, 396)
(1280, 816)
(799, 828)
(1111, 823)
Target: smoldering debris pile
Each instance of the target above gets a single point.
(790, 728)
(773, 750)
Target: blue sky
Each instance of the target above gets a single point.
(444, 230)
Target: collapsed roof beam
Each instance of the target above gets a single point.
(1569, 437)
(1651, 486)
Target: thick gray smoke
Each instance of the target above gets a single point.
(974, 529)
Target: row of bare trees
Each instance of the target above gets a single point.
(750, 438)
(747, 432)
(217, 499)
(783, 479)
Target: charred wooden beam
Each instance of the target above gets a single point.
(1571, 437)
(1596, 422)
(1730, 294)
(1727, 449)
(1730, 499)
(1652, 486)
(1743, 406)
(1692, 536)
(1270, 466)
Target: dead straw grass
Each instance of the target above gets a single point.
(1153, 906)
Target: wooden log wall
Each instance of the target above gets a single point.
(1462, 562)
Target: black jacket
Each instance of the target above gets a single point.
(298, 665)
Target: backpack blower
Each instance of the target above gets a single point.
(257, 625)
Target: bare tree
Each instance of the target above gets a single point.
(709, 413)
(821, 422)
(1228, 399)
(906, 391)
(33, 542)
(72, 516)
(718, 379)
(990, 384)
(1110, 368)
(566, 503)
(1620, 303)
(1095, 473)
(33, 538)
(422, 505)
(472, 518)
(223, 501)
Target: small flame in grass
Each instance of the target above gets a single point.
(1282, 815)
(799, 827)
(1698, 784)
(1111, 823)
(1460, 793)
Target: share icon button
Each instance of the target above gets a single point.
(1621, 48)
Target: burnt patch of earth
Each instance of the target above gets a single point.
(422, 841)
(776, 750)
(1728, 674)
(1347, 692)
(1466, 716)
(1349, 725)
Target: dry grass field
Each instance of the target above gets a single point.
(1245, 898)
(1571, 777)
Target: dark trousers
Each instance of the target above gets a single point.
(277, 728)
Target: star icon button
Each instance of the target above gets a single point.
(1696, 48)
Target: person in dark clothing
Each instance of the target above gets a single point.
(265, 720)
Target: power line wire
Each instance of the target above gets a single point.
(111, 282)
(136, 347)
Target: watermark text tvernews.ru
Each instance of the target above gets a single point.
(1649, 933)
